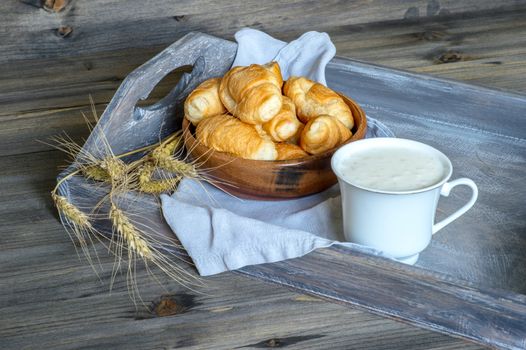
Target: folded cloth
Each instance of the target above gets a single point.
(306, 56)
(221, 232)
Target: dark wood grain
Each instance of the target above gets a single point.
(397, 96)
(50, 299)
(403, 292)
(482, 131)
(97, 26)
(59, 87)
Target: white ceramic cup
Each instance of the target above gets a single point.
(398, 223)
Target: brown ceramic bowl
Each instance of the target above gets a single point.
(271, 180)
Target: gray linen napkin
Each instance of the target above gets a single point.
(221, 232)
(306, 56)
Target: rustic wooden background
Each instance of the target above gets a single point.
(56, 53)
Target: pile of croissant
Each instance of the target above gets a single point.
(251, 114)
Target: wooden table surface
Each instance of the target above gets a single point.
(56, 53)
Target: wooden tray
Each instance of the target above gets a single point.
(470, 282)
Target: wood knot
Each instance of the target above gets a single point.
(64, 31)
(273, 343)
(431, 35)
(168, 307)
(88, 65)
(54, 5)
(282, 342)
(450, 56)
(179, 18)
(175, 304)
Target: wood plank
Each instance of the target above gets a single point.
(486, 49)
(30, 32)
(50, 298)
(494, 318)
(504, 310)
(67, 307)
(67, 82)
(59, 88)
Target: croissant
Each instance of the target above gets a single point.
(313, 99)
(253, 93)
(285, 124)
(295, 139)
(225, 133)
(204, 101)
(289, 151)
(323, 133)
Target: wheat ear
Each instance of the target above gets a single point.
(129, 233)
(148, 185)
(115, 168)
(71, 212)
(178, 166)
(96, 172)
(163, 157)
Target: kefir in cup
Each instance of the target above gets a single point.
(390, 189)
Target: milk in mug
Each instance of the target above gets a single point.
(388, 168)
(390, 189)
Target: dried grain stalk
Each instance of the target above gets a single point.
(160, 170)
(148, 184)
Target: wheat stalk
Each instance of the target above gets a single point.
(177, 166)
(129, 233)
(96, 172)
(115, 168)
(71, 212)
(148, 185)
(163, 157)
(136, 236)
(80, 226)
(169, 145)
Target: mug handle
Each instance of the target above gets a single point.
(445, 190)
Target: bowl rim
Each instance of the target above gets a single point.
(360, 125)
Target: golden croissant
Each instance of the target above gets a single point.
(285, 124)
(295, 139)
(313, 99)
(253, 93)
(323, 133)
(225, 133)
(204, 101)
(289, 151)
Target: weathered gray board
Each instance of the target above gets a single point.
(471, 280)
(484, 133)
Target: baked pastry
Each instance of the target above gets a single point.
(253, 93)
(289, 151)
(323, 133)
(204, 101)
(295, 139)
(313, 99)
(285, 124)
(225, 133)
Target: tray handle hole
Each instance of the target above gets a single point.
(163, 88)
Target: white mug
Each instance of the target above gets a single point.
(398, 223)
